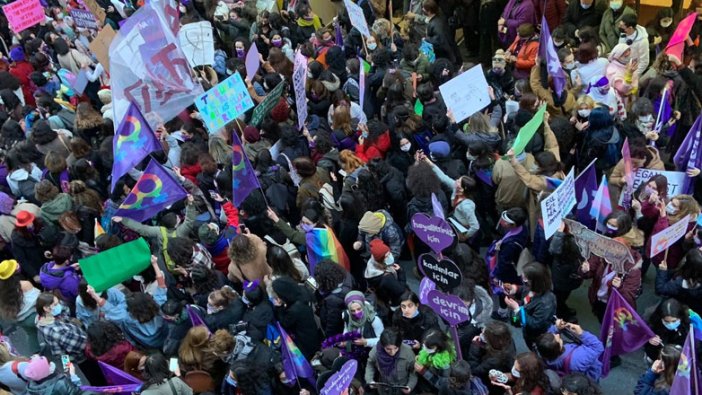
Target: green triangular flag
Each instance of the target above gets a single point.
(366, 67)
(111, 267)
(418, 108)
(527, 131)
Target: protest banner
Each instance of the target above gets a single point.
(197, 42)
(558, 204)
(662, 240)
(110, 267)
(96, 10)
(340, 381)
(358, 20)
(442, 271)
(252, 62)
(84, 19)
(466, 93)
(452, 309)
(592, 243)
(433, 231)
(224, 103)
(148, 68)
(361, 84)
(425, 286)
(299, 78)
(23, 14)
(265, 107)
(100, 46)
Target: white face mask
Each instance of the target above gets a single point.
(671, 209)
(585, 6)
(406, 147)
(584, 113)
(428, 350)
(471, 157)
(666, 22)
(515, 373)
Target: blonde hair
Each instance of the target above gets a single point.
(219, 150)
(586, 100)
(193, 347)
(687, 205)
(349, 161)
(222, 342)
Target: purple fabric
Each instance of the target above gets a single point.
(66, 280)
(195, 318)
(585, 189)
(689, 154)
(125, 383)
(515, 14)
(623, 330)
(339, 38)
(386, 362)
(547, 51)
(687, 365)
(244, 180)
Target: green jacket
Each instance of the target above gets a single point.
(420, 66)
(609, 32)
(52, 210)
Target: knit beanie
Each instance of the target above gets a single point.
(251, 134)
(38, 368)
(439, 149)
(378, 250)
(355, 297)
(371, 223)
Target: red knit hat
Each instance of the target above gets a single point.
(378, 249)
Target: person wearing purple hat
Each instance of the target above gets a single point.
(22, 69)
(361, 317)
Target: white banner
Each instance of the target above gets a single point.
(558, 204)
(299, 82)
(466, 94)
(197, 42)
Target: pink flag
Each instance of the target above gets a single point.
(676, 44)
(601, 205)
(252, 62)
(628, 175)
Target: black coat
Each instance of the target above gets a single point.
(414, 328)
(231, 314)
(258, 317)
(576, 17)
(481, 363)
(331, 307)
(299, 321)
(439, 35)
(28, 252)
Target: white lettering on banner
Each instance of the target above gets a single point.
(433, 228)
(676, 179)
(441, 270)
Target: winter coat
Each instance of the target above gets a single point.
(510, 190)
(52, 210)
(507, 253)
(439, 35)
(57, 383)
(309, 187)
(413, 329)
(647, 385)
(609, 27)
(631, 283)
(390, 234)
(639, 49)
(526, 55)
(564, 270)
(331, 307)
(372, 150)
(566, 108)
(580, 358)
(165, 389)
(481, 363)
(231, 314)
(65, 280)
(151, 334)
(22, 183)
(535, 315)
(674, 337)
(553, 10)
(419, 66)
(678, 288)
(492, 140)
(577, 17)
(114, 356)
(515, 13)
(677, 251)
(298, 320)
(22, 70)
(258, 317)
(402, 375)
(29, 252)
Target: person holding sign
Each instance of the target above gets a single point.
(391, 364)
(680, 208)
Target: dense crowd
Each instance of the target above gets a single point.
(228, 284)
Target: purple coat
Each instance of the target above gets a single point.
(516, 12)
(65, 279)
(583, 358)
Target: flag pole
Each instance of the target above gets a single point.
(660, 109)
(695, 375)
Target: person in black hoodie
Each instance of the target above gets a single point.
(393, 182)
(296, 316)
(413, 319)
(179, 323)
(258, 311)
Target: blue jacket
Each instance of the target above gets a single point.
(584, 358)
(150, 334)
(647, 385)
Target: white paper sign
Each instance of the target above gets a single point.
(299, 81)
(197, 42)
(668, 236)
(466, 94)
(558, 204)
(358, 20)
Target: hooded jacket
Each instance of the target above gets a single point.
(22, 182)
(52, 210)
(616, 179)
(65, 279)
(297, 317)
(580, 358)
(57, 383)
(639, 48)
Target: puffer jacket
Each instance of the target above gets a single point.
(57, 383)
(390, 234)
(64, 279)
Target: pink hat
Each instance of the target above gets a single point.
(38, 368)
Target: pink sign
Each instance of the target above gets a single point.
(23, 14)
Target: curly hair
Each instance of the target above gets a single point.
(42, 133)
(242, 249)
(222, 342)
(329, 275)
(422, 181)
(142, 307)
(180, 249)
(369, 185)
(532, 375)
(103, 335)
(11, 297)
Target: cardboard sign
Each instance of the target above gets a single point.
(23, 14)
(100, 46)
(340, 380)
(662, 240)
(444, 272)
(84, 19)
(224, 103)
(558, 204)
(596, 244)
(197, 42)
(299, 78)
(96, 10)
(466, 93)
(433, 231)
(263, 109)
(449, 307)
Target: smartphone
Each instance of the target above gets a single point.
(173, 365)
(65, 362)
(312, 283)
(498, 376)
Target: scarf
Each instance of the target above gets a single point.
(386, 362)
(368, 316)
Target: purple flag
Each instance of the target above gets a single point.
(133, 141)
(628, 175)
(119, 381)
(252, 62)
(339, 38)
(485, 175)
(547, 52)
(689, 154)
(155, 190)
(437, 207)
(622, 331)
(244, 179)
(687, 377)
(361, 83)
(195, 318)
(295, 364)
(585, 189)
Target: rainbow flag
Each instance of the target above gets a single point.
(601, 205)
(295, 364)
(696, 322)
(98, 230)
(323, 244)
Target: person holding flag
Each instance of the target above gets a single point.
(658, 379)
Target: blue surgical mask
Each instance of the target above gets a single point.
(56, 310)
(515, 373)
(231, 381)
(372, 46)
(671, 209)
(671, 326)
(389, 259)
(364, 134)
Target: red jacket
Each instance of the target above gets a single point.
(114, 356)
(368, 150)
(190, 172)
(631, 280)
(22, 70)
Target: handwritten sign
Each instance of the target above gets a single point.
(265, 107)
(592, 243)
(425, 286)
(558, 204)
(340, 381)
(100, 46)
(449, 307)
(662, 240)
(197, 42)
(466, 93)
(433, 231)
(299, 78)
(444, 272)
(23, 14)
(84, 19)
(358, 20)
(96, 10)
(224, 103)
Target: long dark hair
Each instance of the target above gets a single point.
(103, 335)
(281, 263)
(532, 374)
(11, 297)
(155, 370)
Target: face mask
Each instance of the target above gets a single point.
(372, 46)
(389, 260)
(230, 72)
(240, 53)
(212, 309)
(482, 338)
(364, 134)
(622, 30)
(498, 70)
(56, 310)
(515, 373)
(558, 43)
(308, 18)
(245, 300)
(428, 350)
(309, 75)
(569, 66)
(615, 6)
(416, 313)
(182, 10)
(584, 113)
(603, 90)
(670, 209)
(666, 22)
(406, 147)
(277, 43)
(231, 381)
(357, 314)
(671, 326)
(611, 230)
(288, 382)
(645, 124)
(471, 157)
(585, 6)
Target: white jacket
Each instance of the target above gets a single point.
(639, 48)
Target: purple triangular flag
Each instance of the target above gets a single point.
(133, 141)
(244, 180)
(195, 318)
(585, 190)
(689, 155)
(547, 52)
(119, 381)
(687, 377)
(437, 207)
